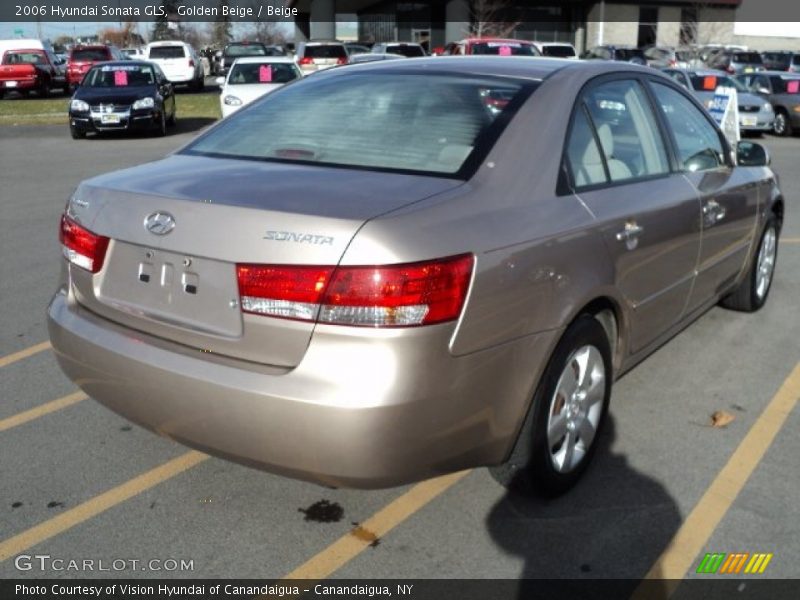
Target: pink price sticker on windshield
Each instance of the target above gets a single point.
(792, 87)
(265, 74)
(120, 78)
(504, 51)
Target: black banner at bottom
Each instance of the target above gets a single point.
(711, 588)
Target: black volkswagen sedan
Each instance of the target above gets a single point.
(122, 96)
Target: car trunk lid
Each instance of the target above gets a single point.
(182, 285)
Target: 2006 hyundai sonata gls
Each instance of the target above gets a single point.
(390, 271)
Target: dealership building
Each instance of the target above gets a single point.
(584, 23)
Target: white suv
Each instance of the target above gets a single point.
(179, 62)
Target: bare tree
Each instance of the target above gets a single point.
(489, 18)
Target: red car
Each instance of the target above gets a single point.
(81, 58)
(30, 70)
(491, 45)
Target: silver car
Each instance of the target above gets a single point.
(756, 114)
(396, 270)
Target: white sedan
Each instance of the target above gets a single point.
(253, 76)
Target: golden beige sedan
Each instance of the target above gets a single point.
(390, 271)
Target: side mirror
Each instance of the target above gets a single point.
(751, 154)
(220, 81)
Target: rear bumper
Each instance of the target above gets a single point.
(364, 409)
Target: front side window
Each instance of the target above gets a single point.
(406, 122)
(698, 142)
(627, 129)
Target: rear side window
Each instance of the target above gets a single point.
(583, 154)
(162, 52)
(91, 54)
(393, 122)
(698, 141)
(627, 130)
(332, 51)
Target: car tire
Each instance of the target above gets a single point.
(44, 90)
(77, 134)
(753, 291)
(551, 454)
(161, 127)
(173, 119)
(199, 84)
(783, 124)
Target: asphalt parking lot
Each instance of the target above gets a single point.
(81, 483)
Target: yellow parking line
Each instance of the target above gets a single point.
(99, 504)
(12, 358)
(40, 411)
(698, 527)
(791, 240)
(378, 525)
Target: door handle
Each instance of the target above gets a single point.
(632, 231)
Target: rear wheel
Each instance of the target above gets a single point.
(568, 411)
(44, 89)
(199, 84)
(753, 291)
(782, 125)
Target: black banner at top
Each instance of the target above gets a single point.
(288, 10)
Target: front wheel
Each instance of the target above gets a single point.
(753, 291)
(76, 134)
(161, 126)
(782, 125)
(567, 414)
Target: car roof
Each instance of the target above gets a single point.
(783, 74)
(496, 39)
(521, 67)
(264, 59)
(123, 63)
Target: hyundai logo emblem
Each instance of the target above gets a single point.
(159, 223)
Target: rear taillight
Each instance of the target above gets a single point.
(367, 296)
(730, 70)
(342, 60)
(81, 247)
(306, 60)
(191, 62)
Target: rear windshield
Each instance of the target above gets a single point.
(91, 54)
(162, 52)
(502, 48)
(247, 73)
(114, 76)
(629, 53)
(409, 51)
(785, 86)
(246, 50)
(558, 51)
(332, 51)
(29, 57)
(747, 57)
(394, 122)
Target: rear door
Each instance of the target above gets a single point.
(648, 214)
(729, 198)
(172, 59)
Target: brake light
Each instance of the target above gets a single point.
(368, 296)
(342, 60)
(730, 70)
(191, 62)
(81, 247)
(306, 60)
